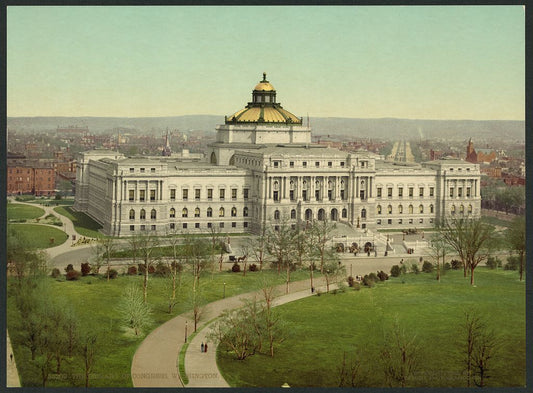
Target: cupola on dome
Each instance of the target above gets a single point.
(263, 108)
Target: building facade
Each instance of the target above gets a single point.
(263, 169)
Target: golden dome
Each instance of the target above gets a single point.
(264, 86)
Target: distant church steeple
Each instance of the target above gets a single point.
(166, 148)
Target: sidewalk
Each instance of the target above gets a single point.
(13, 380)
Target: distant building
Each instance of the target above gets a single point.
(263, 169)
(30, 179)
(480, 155)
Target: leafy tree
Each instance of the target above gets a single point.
(472, 239)
(332, 268)
(134, 311)
(516, 236)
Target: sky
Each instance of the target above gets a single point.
(415, 62)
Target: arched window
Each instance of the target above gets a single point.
(153, 214)
(293, 214)
(308, 214)
(132, 214)
(213, 158)
(462, 209)
(389, 209)
(400, 209)
(184, 212)
(221, 212)
(172, 213)
(453, 209)
(234, 212)
(469, 209)
(363, 213)
(276, 214)
(421, 208)
(209, 212)
(344, 213)
(245, 212)
(431, 208)
(142, 215)
(197, 212)
(410, 209)
(378, 208)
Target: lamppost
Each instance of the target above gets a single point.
(224, 291)
(185, 331)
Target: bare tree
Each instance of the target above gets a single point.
(196, 303)
(272, 325)
(349, 374)
(257, 245)
(471, 239)
(399, 355)
(146, 245)
(107, 247)
(322, 232)
(332, 268)
(176, 267)
(196, 253)
(516, 236)
(438, 248)
(281, 245)
(88, 351)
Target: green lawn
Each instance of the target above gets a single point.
(94, 301)
(83, 224)
(496, 221)
(19, 211)
(321, 328)
(40, 235)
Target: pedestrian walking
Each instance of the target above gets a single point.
(11, 357)
(202, 347)
(205, 347)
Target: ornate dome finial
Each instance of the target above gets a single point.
(264, 77)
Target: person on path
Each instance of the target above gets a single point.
(11, 357)
(205, 347)
(202, 347)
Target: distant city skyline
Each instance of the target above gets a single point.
(415, 62)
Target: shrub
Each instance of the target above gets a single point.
(493, 262)
(395, 271)
(368, 281)
(69, 268)
(113, 273)
(162, 270)
(456, 264)
(236, 268)
(513, 263)
(351, 281)
(140, 268)
(151, 269)
(253, 267)
(427, 267)
(55, 273)
(414, 268)
(132, 270)
(403, 269)
(356, 286)
(73, 275)
(85, 269)
(447, 266)
(383, 276)
(373, 277)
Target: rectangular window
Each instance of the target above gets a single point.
(304, 164)
(276, 195)
(304, 195)
(291, 164)
(197, 194)
(233, 193)
(209, 212)
(184, 225)
(276, 164)
(378, 192)
(451, 192)
(342, 164)
(152, 227)
(222, 194)
(234, 225)
(132, 228)
(131, 195)
(431, 191)
(152, 170)
(378, 222)
(460, 192)
(172, 225)
(172, 193)
(421, 191)
(468, 192)
(342, 194)
(317, 195)
(410, 192)
(400, 192)
(185, 194)
(330, 164)
(142, 170)
(245, 224)
(317, 164)
(152, 195)
(389, 192)
(143, 227)
(330, 195)
(209, 193)
(209, 225)
(197, 225)
(221, 225)
(132, 170)
(389, 221)
(245, 193)
(142, 195)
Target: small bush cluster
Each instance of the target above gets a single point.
(236, 268)
(162, 270)
(73, 275)
(141, 269)
(132, 270)
(447, 266)
(427, 267)
(369, 281)
(356, 286)
(85, 269)
(55, 273)
(253, 267)
(513, 263)
(69, 268)
(395, 271)
(351, 281)
(493, 262)
(382, 276)
(456, 264)
(113, 273)
(414, 268)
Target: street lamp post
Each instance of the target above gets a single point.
(185, 331)
(224, 291)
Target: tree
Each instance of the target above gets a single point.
(134, 311)
(322, 232)
(438, 248)
(23, 262)
(194, 254)
(257, 245)
(471, 239)
(399, 355)
(107, 246)
(349, 375)
(196, 303)
(516, 236)
(176, 268)
(88, 351)
(272, 325)
(332, 268)
(145, 245)
(479, 347)
(281, 244)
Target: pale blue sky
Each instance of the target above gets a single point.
(433, 62)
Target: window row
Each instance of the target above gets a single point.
(400, 221)
(410, 192)
(317, 164)
(185, 213)
(379, 209)
(453, 209)
(185, 225)
(198, 193)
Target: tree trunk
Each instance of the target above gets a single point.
(471, 275)
(145, 282)
(521, 265)
(311, 272)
